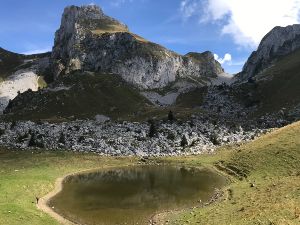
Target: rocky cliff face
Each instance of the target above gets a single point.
(278, 42)
(88, 40)
(19, 73)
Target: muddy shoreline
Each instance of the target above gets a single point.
(156, 219)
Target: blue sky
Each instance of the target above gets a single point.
(220, 26)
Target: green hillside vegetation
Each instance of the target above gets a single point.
(84, 95)
(9, 61)
(110, 26)
(276, 87)
(143, 48)
(26, 175)
(268, 192)
(265, 187)
(191, 99)
(81, 96)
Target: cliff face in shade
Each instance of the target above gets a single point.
(88, 40)
(279, 42)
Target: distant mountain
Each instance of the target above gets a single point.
(278, 43)
(270, 79)
(88, 40)
(274, 89)
(98, 66)
(8, 62)
(19, 72)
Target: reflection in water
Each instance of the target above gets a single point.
(132, 195)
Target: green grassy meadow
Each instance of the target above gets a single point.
(264, 187)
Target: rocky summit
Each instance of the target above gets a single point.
(279, 42)
(99, 70)
(88, 40)
(127, 117)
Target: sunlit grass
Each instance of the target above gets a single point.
(270, 193)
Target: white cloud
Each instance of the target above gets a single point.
(247, 21)
(226, 59)
(189, 8)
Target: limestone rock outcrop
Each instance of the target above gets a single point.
(88, 40)
(280, 41)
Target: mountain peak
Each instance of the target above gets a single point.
(89, 40)
(280, 41)
(87, 18)
(89, 11)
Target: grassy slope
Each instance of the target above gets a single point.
(284, 89)
(192, 98)
(25, 176)
(9, 61)
(114, 27)
(98, 94)
(89, 95)
(272, 163)
(277, 87)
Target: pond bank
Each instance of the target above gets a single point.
(62, 203)
(271, 186)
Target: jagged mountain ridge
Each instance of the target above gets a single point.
(270, 80)
(279, 42)
(88, 40)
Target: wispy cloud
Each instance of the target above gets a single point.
(246, 21)
(190, 8)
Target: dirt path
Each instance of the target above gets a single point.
(42, 203)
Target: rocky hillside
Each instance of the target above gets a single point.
(88, 40)
(276, 89)
(19, 73)
(104, 75)
(278, 43)
(269, 82)
(8, 62)
(80, 95)
(99, 67)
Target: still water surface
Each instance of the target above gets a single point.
(131, 195)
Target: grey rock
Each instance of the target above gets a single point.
(88, 40)
(102, 118)
(279, 42)
(126, 138)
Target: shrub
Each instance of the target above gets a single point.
(153, 129)
(171, 116)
